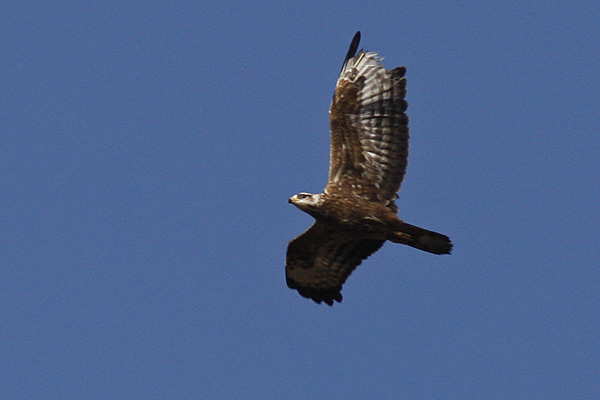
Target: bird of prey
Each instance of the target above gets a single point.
(356, 213)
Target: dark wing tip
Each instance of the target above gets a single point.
(352, 49)
(398, 72)
(327, 296)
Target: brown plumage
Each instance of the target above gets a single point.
(356, 213)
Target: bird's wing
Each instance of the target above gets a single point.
(369, 129)
(320, 260)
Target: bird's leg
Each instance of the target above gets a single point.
(401, 237)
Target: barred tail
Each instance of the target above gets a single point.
(422, 239)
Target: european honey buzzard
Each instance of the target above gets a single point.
(356, 213)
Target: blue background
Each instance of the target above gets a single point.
(147, 152)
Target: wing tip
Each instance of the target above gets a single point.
(327, 296)
(352, 49)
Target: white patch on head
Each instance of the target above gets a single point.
(306, 201)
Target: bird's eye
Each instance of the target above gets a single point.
(303, 196)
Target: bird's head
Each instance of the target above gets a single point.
(306, 201)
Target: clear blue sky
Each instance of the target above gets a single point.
(147, 153)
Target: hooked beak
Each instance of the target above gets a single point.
(290, 200)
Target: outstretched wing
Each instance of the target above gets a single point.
(369, 129)
(320, 260)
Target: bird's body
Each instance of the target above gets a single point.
(366, 218)
(356, 213)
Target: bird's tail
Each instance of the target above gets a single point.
(422, 239)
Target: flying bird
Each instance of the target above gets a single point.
(356, 213)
